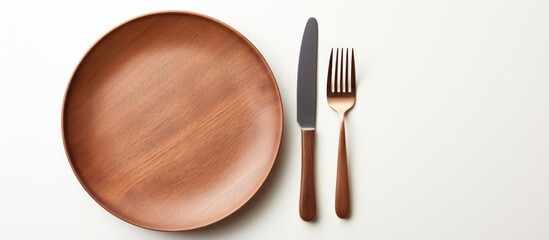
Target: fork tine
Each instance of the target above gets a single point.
(337, 69)
(343, 64)
(353, 77)
(340, 80)
(346, 81)
(329, 82)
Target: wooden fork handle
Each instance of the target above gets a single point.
(307, 200)
(342, 202)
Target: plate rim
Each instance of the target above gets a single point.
(280, 127)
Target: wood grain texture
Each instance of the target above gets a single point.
(172, 121)
(307, 201)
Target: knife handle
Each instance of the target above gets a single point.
(307, 200)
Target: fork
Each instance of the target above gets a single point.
(341, 97)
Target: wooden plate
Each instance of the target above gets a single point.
(172, 121)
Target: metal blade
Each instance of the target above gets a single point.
(306, 76)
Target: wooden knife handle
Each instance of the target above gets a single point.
(307, 201)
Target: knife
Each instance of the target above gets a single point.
(306, 116)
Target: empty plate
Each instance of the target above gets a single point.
(172, 121)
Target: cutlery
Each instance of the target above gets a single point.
(341, 97)
(306, 116)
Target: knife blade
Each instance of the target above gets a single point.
(306, 116)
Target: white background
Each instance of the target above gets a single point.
(449, 138)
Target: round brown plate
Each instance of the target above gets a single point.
(172, 121)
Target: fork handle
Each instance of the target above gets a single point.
(307, 199)
(342, 202)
